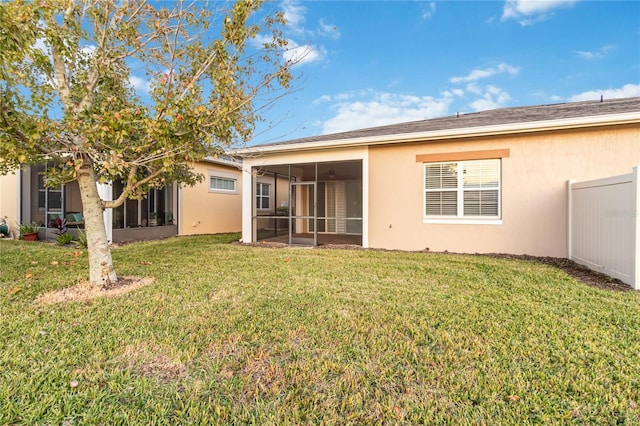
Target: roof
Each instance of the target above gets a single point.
(496, 121)
(223, 160)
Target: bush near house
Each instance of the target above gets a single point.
(235, 334)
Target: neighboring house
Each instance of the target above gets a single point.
(213, 206)
(492, 181)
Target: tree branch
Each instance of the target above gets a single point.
(132, 184)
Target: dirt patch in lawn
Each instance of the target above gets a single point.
(577, 271)
(153, 361)
(86, 291)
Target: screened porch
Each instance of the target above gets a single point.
(308, 203)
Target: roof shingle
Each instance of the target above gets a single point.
(525, 114)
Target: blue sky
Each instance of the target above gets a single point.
(371, 63)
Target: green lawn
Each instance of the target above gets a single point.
(233, 334)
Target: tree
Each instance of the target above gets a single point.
(66, 94)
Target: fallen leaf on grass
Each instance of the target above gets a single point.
(144, 262)
(14, 290)
(34, 262)
(287, 260)
(398, 412)
(54, 262)
(514, 397)
(28, 275)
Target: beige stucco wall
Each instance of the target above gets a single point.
(534, 190)
(9, 199)
(209, 212)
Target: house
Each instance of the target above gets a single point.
(212, 206)
(491, 181)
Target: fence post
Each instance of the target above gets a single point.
(570, 183)
(635, 212)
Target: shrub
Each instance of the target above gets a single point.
(64, 239)
(28, 228)
(61, 225)
(82, 239)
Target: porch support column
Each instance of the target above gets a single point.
(105, 190)
(247, 204)
(365, 199)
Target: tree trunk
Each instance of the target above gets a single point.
(101, 271)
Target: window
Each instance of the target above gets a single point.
(49, 199)
(262, 196)
(217, 183)
(462, 189)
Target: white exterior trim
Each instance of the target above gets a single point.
(365, 199)
(247, 204)
(222, 175)
(463, 221)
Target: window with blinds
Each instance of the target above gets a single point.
(217, 183)
(462, 189)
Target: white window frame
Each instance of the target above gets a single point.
(223, 176)
(261, 196)
(460, 218)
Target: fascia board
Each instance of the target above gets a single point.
(222, 162)
(439, 135)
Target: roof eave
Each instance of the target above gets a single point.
(447, 134)
(222, 161)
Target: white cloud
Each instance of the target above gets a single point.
(260, 40)
(294, 15)
(303, 54)
(429, 10)
(452, 92)
(493, 98)
(479, 74)
(296, 53)
(139, 83)
(385, 108)
(328, 30)
(597, 54)
(473, 88)
(322, 99)
(344, 96)
(528, 12)
(626, 91)
(299, 52)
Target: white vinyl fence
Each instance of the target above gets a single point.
(604, 226)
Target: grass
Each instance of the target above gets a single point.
(233, 334)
